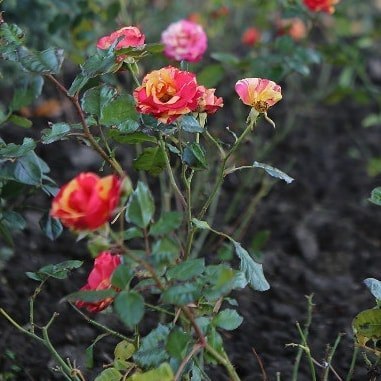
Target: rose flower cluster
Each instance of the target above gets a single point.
(88, 202)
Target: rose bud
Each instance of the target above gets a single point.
(184, 41)
(87, 201)
(208, 102)
(251, 36)
(100, 279)
(167, 94)
(294, 27)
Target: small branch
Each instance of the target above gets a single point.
(330, 355)
(263, 371)
(353, 363)
(171, 175)
(101, 326)
(196, 348)
(74, 100)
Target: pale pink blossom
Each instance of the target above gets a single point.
(184, 41)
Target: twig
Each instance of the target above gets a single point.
(353, 363)
(263, 371)
(196, 348)
(330, 355)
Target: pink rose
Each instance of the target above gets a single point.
(184, 41)
(167, 94)
(208, 102)
(100, 279)
(258, 93)
(321, 5)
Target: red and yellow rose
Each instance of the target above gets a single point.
(100, 279)
(87, 202)
(167, 94)
(321, 5)
(208, 102)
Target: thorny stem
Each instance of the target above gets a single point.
(31, 305)
(171, 176)
(190, 234)
(307, 324)
(101, 326)
(330, 357)
(74, 100)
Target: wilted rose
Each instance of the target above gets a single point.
(258, 93)
(251, 36)
(100, 279)
(208, 102)
(167, 94)
(184, 41)
(86, 202)
(321, 5)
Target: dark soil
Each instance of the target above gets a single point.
(324, 240)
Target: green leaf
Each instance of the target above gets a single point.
(215, 341)
(168, 222)
(124, 351)
(6, 235)
(20, 121)
(252, 270)
(89, 352)
(374, 287)
(187, 270)
(13, 220)
(110, 374)
(141, 207)
(121, 277)
(129, 305)
(128, 126)
(162, 373)
(56, 132)
(274, 172)
(94, 99)
(226, 58)
(178, 342)
(119, 110)
(194, 156)
(11, 34)
(211, 75)
(190, 124)
(90, 296)
(200, 224)
(228, 319)
(14, 150)
(151, 160)
(181, 294)
(165, 251)
(58, 271)
(51, 226)
(375, 196)
(133, 233)
(48, 61)
(152, 350)
(30, 89)
(367, 325)
(133, 138)
(372, 120)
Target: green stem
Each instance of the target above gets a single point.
(307, 350)
(221, 173)
(307, 324)
(353, 363)
(224, 361)
(171, 175)
(190, 232)
(101, 326)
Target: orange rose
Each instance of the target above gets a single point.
(129, 36)
(258, 93)
(208, 102)
(87, 201)
(321, 5)
(100, 279)
(167, 94)
(294, 27)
